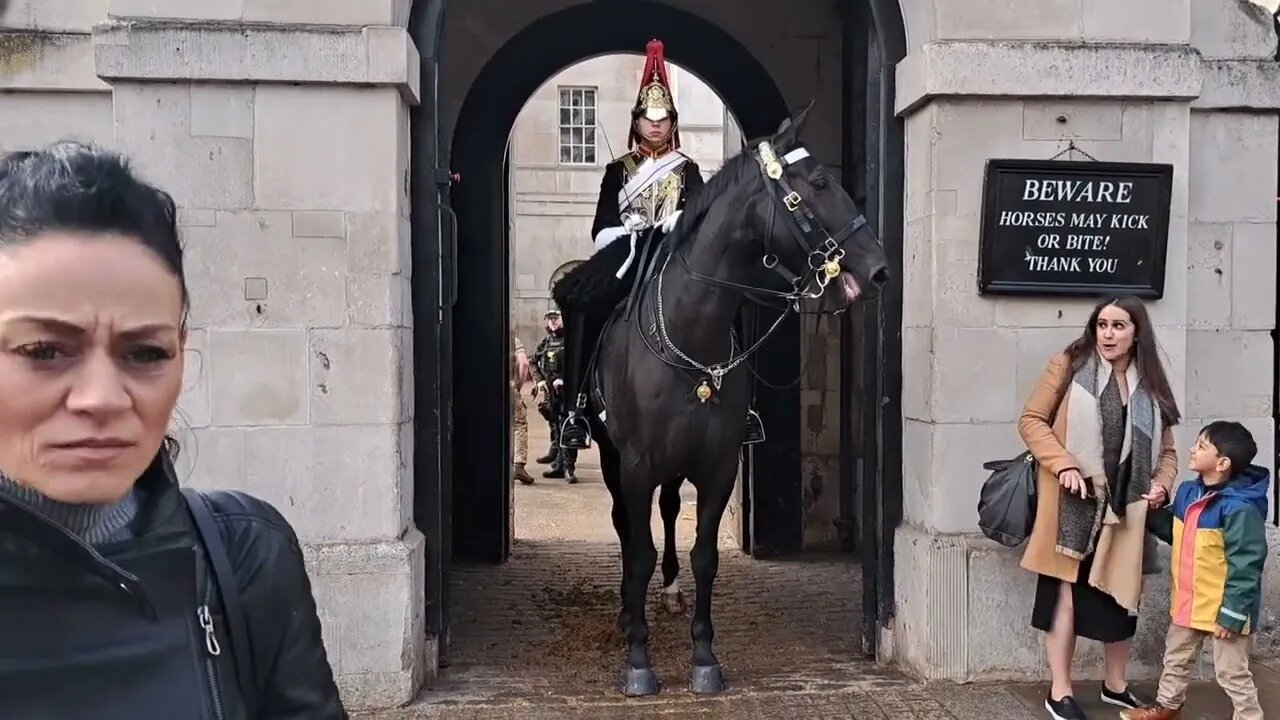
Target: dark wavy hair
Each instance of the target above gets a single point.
(76, 188)
(1145, 352)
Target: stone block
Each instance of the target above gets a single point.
(222, 111)
(319, 223)
(327, 12)
(70, 16)
(1229, 373)
(1232, 29)
(211, 458)
(917, 367)
(1240, 85)
(359, 376)
(153, 126)
(1024, 312)
(177, 9)
(258, 377)
(370, 56)
(1209, 275)
(48, 62)
(975, 383)
(969, 132)
(305, 278)
(960, 597)
(314, 165)
(917, 472)
(917, 273)
(193, 405)
(1233, 167)
(1138, 21)
(1035, 347)
(369, 599)
(1080, 119)
(820, 500)
(31, 120)
(956, 301)
(1039, 69)
(378, 243)
(196, 217)
(337, 482)
(919, 140)
(1253, 276)
(380, 301)
(958, 454)
(972, 20)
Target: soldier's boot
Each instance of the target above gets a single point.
(523, 475)
(570, 463)
(554, 448)
(549, 458)
(556, 471)
(579, 337)
(755, 428)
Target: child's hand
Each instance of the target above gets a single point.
(1222, 633)
(1157, 496)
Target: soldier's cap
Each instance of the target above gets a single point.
(550, 314)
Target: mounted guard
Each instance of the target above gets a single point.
(642, 195)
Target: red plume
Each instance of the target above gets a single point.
(655, 62)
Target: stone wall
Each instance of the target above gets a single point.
(286, 148)
(971, 90)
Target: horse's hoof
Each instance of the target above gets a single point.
(707, 680)
(639, 681)
(674, 603)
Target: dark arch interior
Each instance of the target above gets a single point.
(480, 497)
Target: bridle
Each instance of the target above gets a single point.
(823, 249)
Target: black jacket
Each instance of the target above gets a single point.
(118, 631)
(607, 213)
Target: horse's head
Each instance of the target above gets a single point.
(812, 228)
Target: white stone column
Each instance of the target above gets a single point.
(286, 145)
(963, 604)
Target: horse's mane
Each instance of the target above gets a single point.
(740, 168)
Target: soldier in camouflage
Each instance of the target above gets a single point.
(548, 376)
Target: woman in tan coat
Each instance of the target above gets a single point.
(1099, 425)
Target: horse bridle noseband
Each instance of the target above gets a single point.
(824, 255)
(824, 249)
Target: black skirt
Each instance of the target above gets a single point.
(1097, 615)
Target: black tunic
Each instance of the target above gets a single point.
(592, 286)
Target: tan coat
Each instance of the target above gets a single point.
(1048, 444)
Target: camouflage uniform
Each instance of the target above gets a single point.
(520, 420)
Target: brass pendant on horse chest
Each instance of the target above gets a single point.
(704, 392)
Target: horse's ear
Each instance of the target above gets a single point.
(790, 130)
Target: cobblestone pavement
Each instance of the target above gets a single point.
(536, 638)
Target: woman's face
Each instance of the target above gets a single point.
(91, 342)
(1115, 333)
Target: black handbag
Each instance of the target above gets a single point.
(1007, 504)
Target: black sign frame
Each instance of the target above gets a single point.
(990, 281)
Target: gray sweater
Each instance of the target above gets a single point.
(95, 524)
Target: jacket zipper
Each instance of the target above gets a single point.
(214, 649)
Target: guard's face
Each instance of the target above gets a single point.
(91, 341)
(554, 324)
(654, 132)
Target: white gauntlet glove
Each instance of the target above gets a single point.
(608, 235)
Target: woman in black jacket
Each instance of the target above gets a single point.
(121, 597)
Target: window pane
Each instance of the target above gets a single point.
(590, 153)
(577, 153)
(589, 117)
(575, 136)
(577, 98)
(564, 116)
(564, 136)
(565, 93)
(577, 117)
(589, 97)
(565, 154)
(590, 137)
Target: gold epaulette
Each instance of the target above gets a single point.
(628, 163)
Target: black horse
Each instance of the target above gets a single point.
(670, 391)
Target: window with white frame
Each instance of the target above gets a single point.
(578, 126)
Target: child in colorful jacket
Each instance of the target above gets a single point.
(1216, 525)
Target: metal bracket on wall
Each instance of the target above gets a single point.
(445, 177)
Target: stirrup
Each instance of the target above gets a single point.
(755, 428)
(575, 433)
